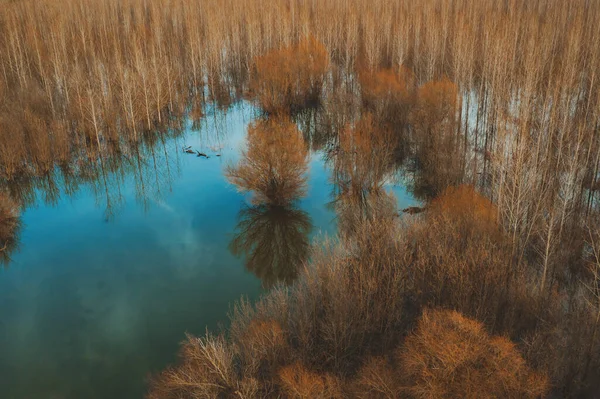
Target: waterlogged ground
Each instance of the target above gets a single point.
(110, 277)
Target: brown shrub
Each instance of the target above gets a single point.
(465, 206)
(266, 337)
(274, 164)
(342, 309)
(260, 336)
(436, 106)
(388, 94)
(361, 165)
(451, 356)
(261, 346)
(378, 379)
(290, 77)
(462, 261)
(300, 383)
(207, 371)
(365, 153)
(434, 130)
(386, 84)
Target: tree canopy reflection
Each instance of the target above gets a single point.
(273, 232)
(362, 162)
(274, 240)
(10, 224)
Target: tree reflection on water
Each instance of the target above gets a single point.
(10, 226)
(274, 240)
(273, 232)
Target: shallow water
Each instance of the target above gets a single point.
(107, 282)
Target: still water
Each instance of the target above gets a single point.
(107, 281)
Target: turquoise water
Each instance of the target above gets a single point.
(107, 282)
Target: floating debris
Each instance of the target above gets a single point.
(413, 210)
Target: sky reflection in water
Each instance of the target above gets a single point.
(95, 300)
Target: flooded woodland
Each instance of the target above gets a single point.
(293, 199)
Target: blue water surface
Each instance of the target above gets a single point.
(106, 283)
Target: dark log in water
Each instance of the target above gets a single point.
(413, 210)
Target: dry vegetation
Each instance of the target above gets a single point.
(272, 234)
(274, 164)
(493, 108)
(358, 322)
(79, 75)
(361, 162)
(450, 356)
(290, 78)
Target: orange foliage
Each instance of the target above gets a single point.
(361, 163)
(451, 356)
(274, 164)
(387, 85)
(301, 383)
(365, 152)
(263, 339)
(377, 379)
(434, 131)
(461, 257)
(463, 203)
(290, 77)
(267, 333)
(439, 97)
(436, 106)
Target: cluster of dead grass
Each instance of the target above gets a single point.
(290, 78)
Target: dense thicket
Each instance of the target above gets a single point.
(291, 77)
(358, 322)
(503, 96)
